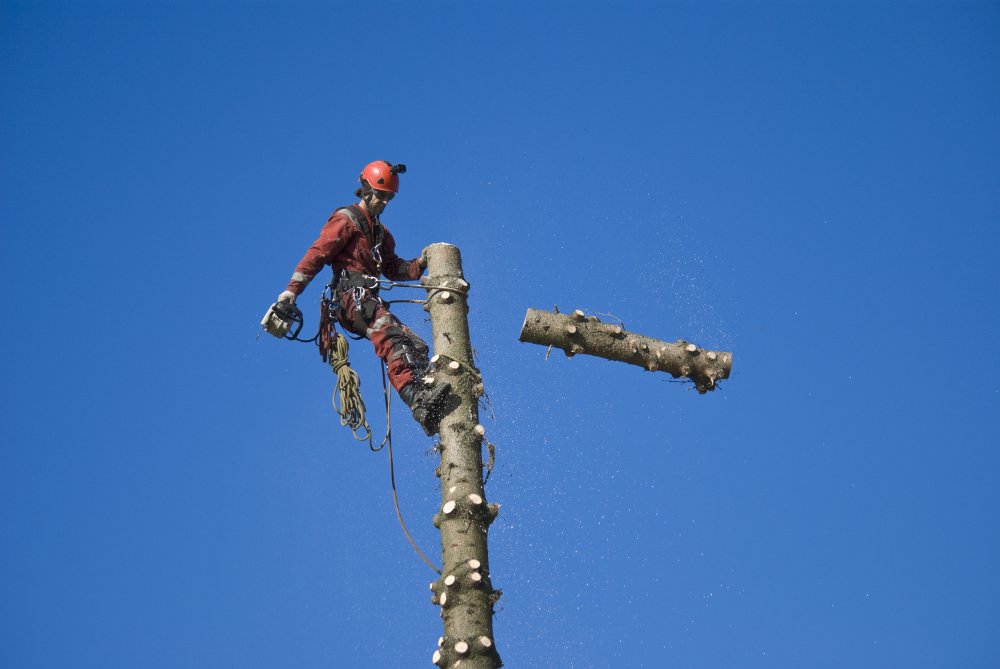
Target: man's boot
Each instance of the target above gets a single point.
(426, 403)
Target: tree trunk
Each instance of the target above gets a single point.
(464, 592)
(578, 333)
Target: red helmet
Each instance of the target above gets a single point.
(382, 175)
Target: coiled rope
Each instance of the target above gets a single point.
(347, 400)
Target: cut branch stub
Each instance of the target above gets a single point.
(574, 335)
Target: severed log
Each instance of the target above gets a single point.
(578, 333)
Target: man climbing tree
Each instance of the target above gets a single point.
(360, 249)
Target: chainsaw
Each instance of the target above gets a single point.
(283, 320)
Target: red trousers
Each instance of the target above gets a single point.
(402, 350)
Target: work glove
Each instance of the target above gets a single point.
(422, 260)
(287, 296)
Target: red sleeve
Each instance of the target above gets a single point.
(394, 267)
(331, 240)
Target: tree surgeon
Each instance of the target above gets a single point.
(360, 249)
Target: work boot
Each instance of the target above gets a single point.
(426, 403)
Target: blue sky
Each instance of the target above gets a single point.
(813, 186)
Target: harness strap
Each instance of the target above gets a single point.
(346, 279)
(375, 237)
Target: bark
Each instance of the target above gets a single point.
(578, 333)
(465, 591)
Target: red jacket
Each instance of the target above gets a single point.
(343, 246)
